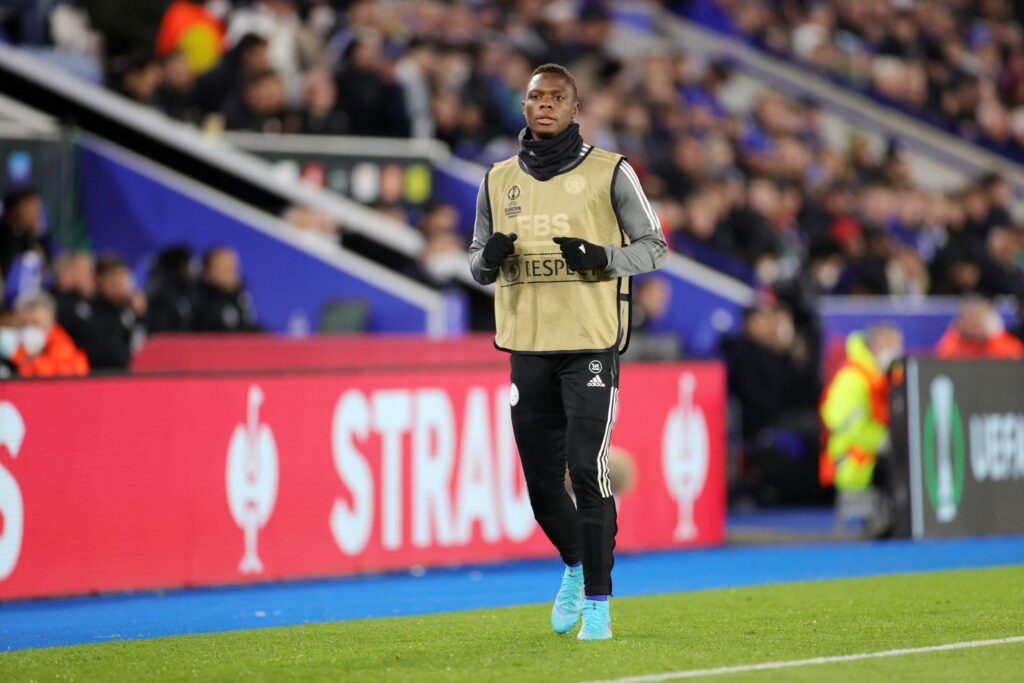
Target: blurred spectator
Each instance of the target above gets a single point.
(170, 292)
(125, 27)
(412, 73)
(137, 76)
(44, 349)
(260, 106)
(118, 307)
(175, 96)
(222, 303)
(651, 338)
(855, 415)
(371, 99)
(215, 88)
(772, 378)
(444, 249)
(978, 332)
(290, 46)
(22, 227)
(1001, 272)
(761, 371)
(75, 288)
(321, 115)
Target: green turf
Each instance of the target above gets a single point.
(652, 634)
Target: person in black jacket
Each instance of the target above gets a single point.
(170, 289)
(223, 304)
(215, 88)
(75, 292)
(21, 226)
(368, 94)
(116, 311)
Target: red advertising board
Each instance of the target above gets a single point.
(136, 482)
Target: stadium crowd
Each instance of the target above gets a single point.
(71, 312)
(756, 194)
(955, 63)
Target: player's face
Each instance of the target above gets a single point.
(550, 104)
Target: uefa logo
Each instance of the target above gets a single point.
(945, 449)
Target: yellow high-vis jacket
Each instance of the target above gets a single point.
(854, 413)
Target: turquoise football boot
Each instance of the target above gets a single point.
(597, 620)
(569, 601)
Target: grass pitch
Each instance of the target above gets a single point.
(675, 632)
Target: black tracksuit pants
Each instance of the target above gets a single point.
(563, 411)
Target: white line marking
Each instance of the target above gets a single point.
(768, 666)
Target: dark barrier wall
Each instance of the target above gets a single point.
(961, 424)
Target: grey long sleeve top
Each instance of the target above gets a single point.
(646, 251)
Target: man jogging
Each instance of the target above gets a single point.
(560, 227)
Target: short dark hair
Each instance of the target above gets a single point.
(259, 76)
(551, 68)
(17, 196)
(108, 262)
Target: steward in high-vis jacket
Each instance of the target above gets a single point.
(855, 409)
(560, 228)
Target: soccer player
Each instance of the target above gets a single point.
(561, 227)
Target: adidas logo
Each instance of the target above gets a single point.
(596, 382)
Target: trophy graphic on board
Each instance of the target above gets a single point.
(252, 479)
(684, 455)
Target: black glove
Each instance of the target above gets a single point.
(582, 255)
(498, 248)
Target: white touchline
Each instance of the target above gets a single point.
(767, 666)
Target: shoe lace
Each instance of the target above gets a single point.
(568, 597)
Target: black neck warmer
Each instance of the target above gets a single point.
(546, 157)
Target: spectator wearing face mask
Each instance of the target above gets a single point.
(44, 348)
(223, 303)
(978, 332)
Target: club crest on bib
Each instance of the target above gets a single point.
(574, 184)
